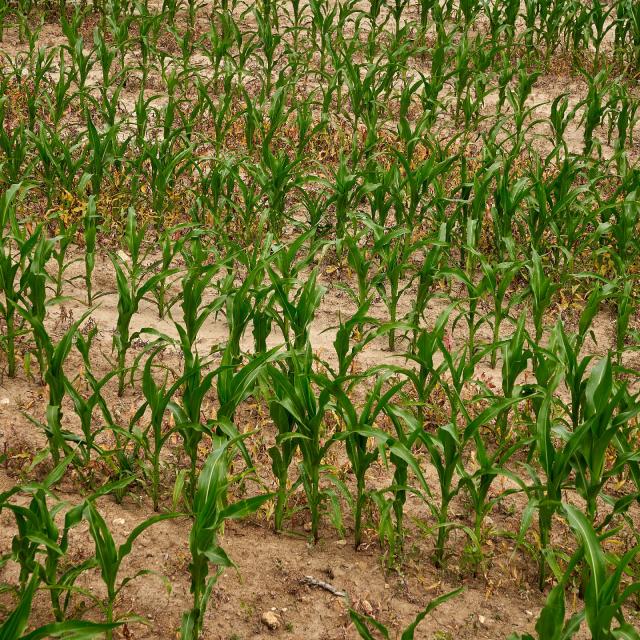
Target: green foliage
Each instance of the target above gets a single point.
(363, 624)
(411, 175)
(210, 510)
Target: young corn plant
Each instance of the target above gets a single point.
(392, 246)
(195, 385)
(362, 261)
(605, 415)
(282, 454)
(407, 434)
(445, 448)
(170, 248)
(42, 550)
(84, 407)
(604, 595)
(555, 456)
(297, 396)
(542, 289)
(90, 230)
(16, 248)
(240, 304)
(109, 557)
(364, 625)
(134, 282)
(33, 282)
(14, 627)
(515, 359)
(234, 384)
(159, 400)
(54, 357)
(210, 511)
(499, 279)
(476, 289)
(359, 426)
(427, 275)
(38, 536)
(297, 314)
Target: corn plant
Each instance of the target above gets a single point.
(33, 282)
(603, 596)
(595, 108)
(393, 249)
(85, 407)
(407, 433)
(281, 454)
(54, 357)
(445, 449)
(499, 278)
(38, 535)
(61, 161)
(210, 512)
(365, 624)
(17, 164)
(427, 275)
(158, 398)
(195, 385)
(15, 250)
(475, 291)
(18, 620)
(362, 261)
(109, 557)
(358, 428)
(605, 413)
(515, 359)
(240, 304)
(170, 248)
(297, 314)
(307, 410)
(542, 290)
(234, 383)
(168, 160)
(555, 459)
(345, 192)
(134, 282)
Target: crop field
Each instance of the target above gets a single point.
(320, 319)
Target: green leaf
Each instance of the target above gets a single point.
(218, 556)
(17, 621)
(243, 508)
(594, 555)
(360, 624)
(551, 619)
(409, 632)
(625, 632)
(71, 630)
(125, 548)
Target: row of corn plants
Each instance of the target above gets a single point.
(235, 173)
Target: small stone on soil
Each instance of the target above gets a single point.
(270, 620)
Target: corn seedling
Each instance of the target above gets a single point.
(363, 625)
(209, 514)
